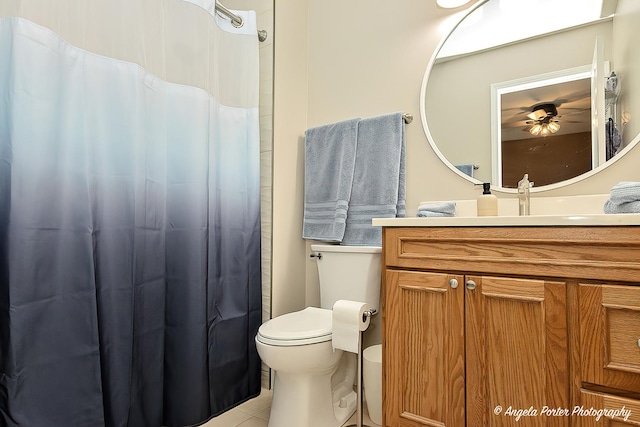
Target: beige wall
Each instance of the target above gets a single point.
(290, 121)
(336, 60)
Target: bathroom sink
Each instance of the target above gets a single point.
(570, 205)
(545, 211)
(512, 221)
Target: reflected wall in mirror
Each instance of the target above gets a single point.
(460, 101)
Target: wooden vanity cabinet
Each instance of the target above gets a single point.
(479, 322)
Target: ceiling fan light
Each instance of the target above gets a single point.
(535, 129)
(451, 4)
(553, 127)
(545, 130)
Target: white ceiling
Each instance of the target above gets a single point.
(499, 22)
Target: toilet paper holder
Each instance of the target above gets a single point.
(370, 312)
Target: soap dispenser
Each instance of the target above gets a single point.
(487, 202)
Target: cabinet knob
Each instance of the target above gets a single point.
(454, 284)
(471, 285)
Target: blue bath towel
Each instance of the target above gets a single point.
(437, 209)
(466, 169)
(330, 153)
(624, 198)
(379, 179)
(613, 138)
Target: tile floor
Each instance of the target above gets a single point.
(255, 413)
(252, 413)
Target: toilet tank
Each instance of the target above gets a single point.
(350, 273)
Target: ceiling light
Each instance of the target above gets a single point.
(451, 4)
(553, 127)
(542, 119)
(535, 129)
(544, 128)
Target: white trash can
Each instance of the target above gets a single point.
(372, 377)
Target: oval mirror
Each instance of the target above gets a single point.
(539, 87)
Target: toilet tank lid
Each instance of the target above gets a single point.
(341, 248)
(311, 322)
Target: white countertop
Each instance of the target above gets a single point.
(512, 221)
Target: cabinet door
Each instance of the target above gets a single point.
(516, 351)
(424, 344)
(605, 410)
(610, 335)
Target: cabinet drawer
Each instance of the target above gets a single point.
(605, 410)
(610, 335)
(596, 253)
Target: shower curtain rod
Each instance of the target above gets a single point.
(237, 20)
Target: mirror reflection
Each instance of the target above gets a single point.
(544, 127)
(511, 92)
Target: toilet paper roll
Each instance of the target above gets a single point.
(348, 321)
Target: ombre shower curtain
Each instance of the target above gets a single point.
(129, 213)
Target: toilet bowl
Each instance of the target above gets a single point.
(313, 383)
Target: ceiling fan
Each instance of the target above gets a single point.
(550, 107)
(543, 119)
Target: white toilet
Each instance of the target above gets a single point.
(313, 383)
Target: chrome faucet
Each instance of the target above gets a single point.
(523, 194)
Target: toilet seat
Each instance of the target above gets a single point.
(309, 326)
